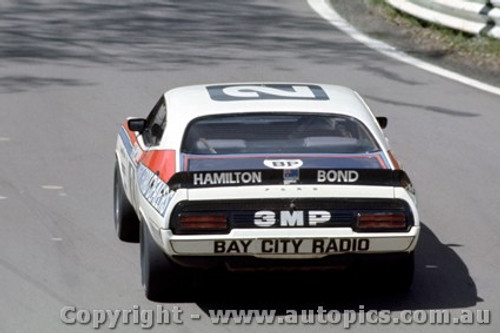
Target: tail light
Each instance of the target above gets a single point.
(202, 222)
(381, 221)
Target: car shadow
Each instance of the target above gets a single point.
(441, 281)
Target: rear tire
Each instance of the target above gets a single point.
(126, 222)
(163, 280)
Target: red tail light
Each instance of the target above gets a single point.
(368, 221)
(202, 222)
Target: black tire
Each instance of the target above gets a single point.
(127, 224)
(163, 280)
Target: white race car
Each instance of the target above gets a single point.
(262, 176)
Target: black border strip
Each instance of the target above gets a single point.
(373, 177)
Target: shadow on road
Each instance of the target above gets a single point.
(147, 34)
(441, 281)
(20, 83)
(424, 107)
(159, 35)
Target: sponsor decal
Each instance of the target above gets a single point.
(136, 153)
(291, 246)
(303, 176)
(294, 218)
(223, 178)
(266, 91)
(154, 190)
(340, 245)
(337, 176)
(234, 246)
(283, 164)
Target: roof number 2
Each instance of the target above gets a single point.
(270, 91)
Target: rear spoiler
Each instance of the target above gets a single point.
(374, 177)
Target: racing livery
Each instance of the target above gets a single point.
(262, 176)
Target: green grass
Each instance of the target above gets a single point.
(452, 40)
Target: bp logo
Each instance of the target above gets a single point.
(283, 164)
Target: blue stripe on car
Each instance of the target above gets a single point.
(126, 140)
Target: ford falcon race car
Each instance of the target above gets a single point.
(262, 177)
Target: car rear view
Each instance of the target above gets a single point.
(264, 184)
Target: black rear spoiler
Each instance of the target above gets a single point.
(374, 177)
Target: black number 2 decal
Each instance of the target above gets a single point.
(269, 91)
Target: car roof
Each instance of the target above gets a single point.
(201, 100)
(187, 103)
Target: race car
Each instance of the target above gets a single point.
(260, 177)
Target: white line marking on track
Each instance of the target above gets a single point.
(57, 239)
(328, 13)
(2, 198)
(52, 187)
(4, 139)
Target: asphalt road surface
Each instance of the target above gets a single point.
(71, 71)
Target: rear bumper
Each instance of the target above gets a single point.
(253, 264)
(290, 245)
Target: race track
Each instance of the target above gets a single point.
(71, 71)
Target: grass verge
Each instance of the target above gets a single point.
(481, 50)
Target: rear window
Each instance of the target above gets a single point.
(277, 133)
